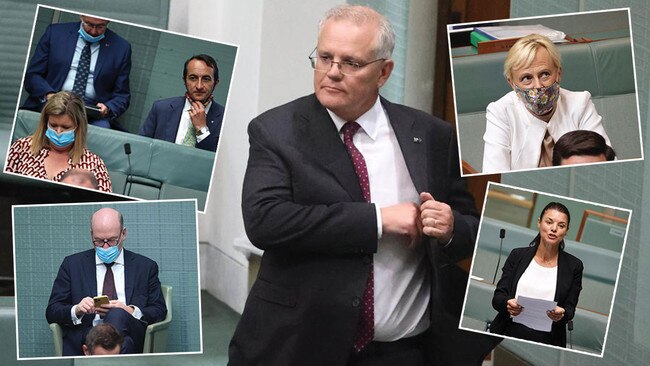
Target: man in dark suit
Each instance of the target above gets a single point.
(338, 190)
(86, 58)
(195, 118)
(125, 277)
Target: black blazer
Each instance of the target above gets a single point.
(567, 289)
(76, 279)
(302, 204)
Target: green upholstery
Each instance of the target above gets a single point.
(588, 327)
(599, 264)
(155, 339)
(158, 170)
(604, 68)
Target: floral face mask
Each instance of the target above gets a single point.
(540, 101)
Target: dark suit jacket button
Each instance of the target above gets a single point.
(356, 301)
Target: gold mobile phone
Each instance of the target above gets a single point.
(100, 300)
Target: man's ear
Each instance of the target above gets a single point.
(85, 350)
(386, 70)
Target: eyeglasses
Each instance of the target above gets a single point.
(111, 242)
(324, 64)
(99, 27)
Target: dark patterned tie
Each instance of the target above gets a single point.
(366, 328)
(109, 283)
(83, 69)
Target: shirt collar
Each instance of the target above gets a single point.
(368, 121)
(119, 260)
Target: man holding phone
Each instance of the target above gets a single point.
(106, 284)
(194, 119)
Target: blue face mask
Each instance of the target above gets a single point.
(108, 255)
(87, 37)
(63, 139)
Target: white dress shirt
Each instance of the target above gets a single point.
(118, 276)
(402, 287)
(68, 84)
(186, 121)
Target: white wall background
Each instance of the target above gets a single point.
(275, 39)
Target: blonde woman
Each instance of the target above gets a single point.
(523, 125)
(58, 145)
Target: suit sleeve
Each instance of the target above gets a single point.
(571, 301)
(121, 94)
(504, 291)
(155, 310)
(35, 82)
(210, 143)
(60, 303)
(278, 215)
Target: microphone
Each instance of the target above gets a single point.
(127, 151)
(502, 234)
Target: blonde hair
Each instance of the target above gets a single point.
(524, 50)
(63, 103)
(358, 14)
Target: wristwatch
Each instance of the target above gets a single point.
(202, 131)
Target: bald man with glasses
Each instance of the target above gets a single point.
(129, 280)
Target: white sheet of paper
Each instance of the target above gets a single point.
(534, 313)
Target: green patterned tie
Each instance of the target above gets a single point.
(190, 136)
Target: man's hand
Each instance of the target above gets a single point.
(103, 109)
(556, 314)
(85, 306)
(197, 115)
(113, 304)
(437, 218)
(402, 219)
(513, 307)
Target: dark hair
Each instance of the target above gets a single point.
(557, 206)
(581, 142)
(208, 61)
(104, 335)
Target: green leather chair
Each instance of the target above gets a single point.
(155, 339)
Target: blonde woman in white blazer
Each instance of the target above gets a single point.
(517, 124)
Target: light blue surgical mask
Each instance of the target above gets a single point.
(87, 37)
(108, 255)
(62, 139)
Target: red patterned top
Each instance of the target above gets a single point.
(22, 161)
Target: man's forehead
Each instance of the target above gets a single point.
(93, 20)
(199, 68)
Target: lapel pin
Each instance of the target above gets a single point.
(417, 140)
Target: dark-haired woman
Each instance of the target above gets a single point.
(543, 270)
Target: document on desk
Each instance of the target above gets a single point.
(534, 313)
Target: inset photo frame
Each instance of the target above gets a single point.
(573, 103)
(156, 273)
(160, 135)
(521, 288)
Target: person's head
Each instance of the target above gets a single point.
(533, 68)
(553, 224)
(103, 339)
(95, 27)
(201, 76)
(108, 233)
(81, 178)
(581, 147)
(352, 59)
(64, 115)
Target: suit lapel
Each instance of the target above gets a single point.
(103, 47)
(410, 135)
(68, 49)
(318, 137)
(89, 266)
(129, 276)
(175, 112)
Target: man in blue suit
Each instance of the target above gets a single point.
(195, 118)
(129, 280)
(86, 58)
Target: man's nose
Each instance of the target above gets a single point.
(335, 71)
